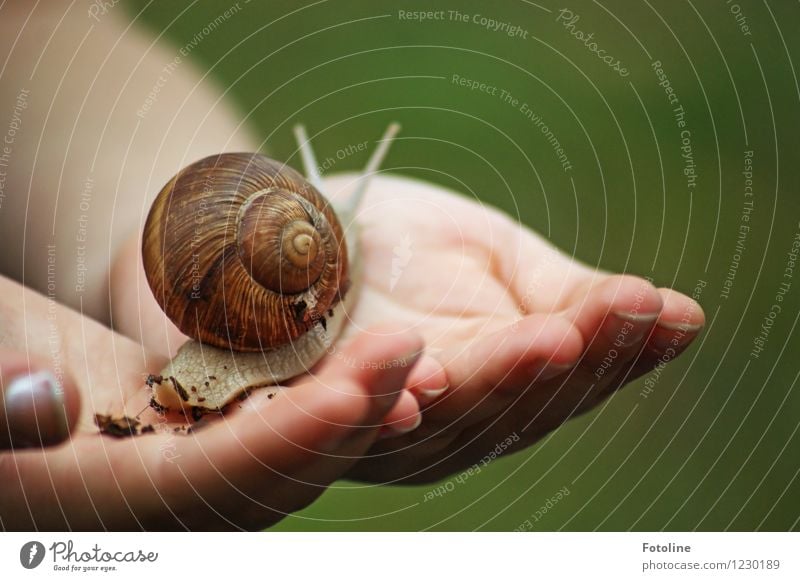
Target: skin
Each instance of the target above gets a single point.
(463, 295)
(266, 458)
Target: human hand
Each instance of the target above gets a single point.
(247, 469)
(520, 337)
(524, 336)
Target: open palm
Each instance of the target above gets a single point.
(522, 335)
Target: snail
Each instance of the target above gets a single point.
(252, 262)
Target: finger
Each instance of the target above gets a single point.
(403, 418)
(493, 375)
(501, 364)
(627, 346)
(401, 421)
(36, 409)
(679, 324)
(645, 347)
(615, 315)
(680, 321)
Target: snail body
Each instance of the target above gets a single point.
(249, 259)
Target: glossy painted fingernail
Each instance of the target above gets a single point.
(34, 411)
(399, 428)
(630, 327)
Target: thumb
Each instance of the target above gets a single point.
(36, 408)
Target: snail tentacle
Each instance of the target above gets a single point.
(350, 207)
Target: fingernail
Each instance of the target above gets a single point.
(685, 327)
(544, 370)
(35, 410)
(399, 429)
(429, 395)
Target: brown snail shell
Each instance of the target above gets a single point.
(242, 253)
(248, 258)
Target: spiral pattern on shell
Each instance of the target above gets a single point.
(242, 253)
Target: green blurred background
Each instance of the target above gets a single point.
(715, 446)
